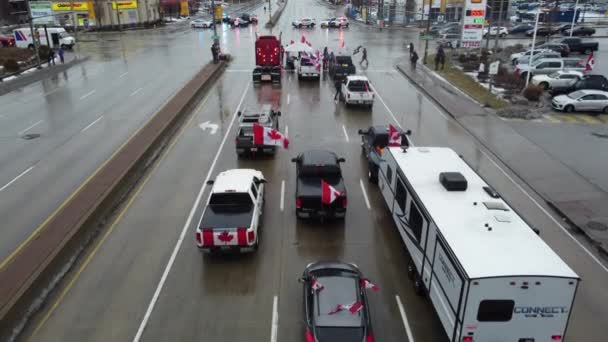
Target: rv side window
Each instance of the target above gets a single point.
(389, 174)
(415, 221)
(401, 195)
(495, 310)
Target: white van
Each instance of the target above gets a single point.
(57, 35)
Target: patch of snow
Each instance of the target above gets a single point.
(10, 78)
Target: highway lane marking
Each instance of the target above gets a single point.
(364, 194)
(30, 127)
(51, 92)
(92, 123)
(136, 92)
(282, 205)
(288, 99)
(17, 178)
(275, 319)
(123, 74)
(551, 119)
(123, 211)
(180, 240)
(40, 227)
(286, 131)
(589, 119)
(385, 106)
(406, 323)
(87, 94)
(345, 133)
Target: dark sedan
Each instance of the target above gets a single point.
(580, 31)
(335, 303)
(523, 28)
(541, 32)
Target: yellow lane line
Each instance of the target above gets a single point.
(551, 118)
(567, 118)
(589, 119)
(115, 223)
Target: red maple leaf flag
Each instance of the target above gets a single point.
(366, 284)
(316, 286)
(328, 193)
(225, 237)
(353, 308)
(394, 136)
(590, 62)
(303, 39)
(268, 136)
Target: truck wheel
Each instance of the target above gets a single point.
(544, 85)
(370, 175)
(411, 271)
(569, 109)
(418, 286)
(31, 46)
(605, 110)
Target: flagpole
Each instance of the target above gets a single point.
(532, 50)
(573, 18)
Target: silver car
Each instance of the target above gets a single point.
(582, 100)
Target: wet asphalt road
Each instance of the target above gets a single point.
(231, 298)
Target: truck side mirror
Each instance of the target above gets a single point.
(261, 181)
(238, 113)
(279, 113)
(294, 160)
(360, 131)
(301, 280)
(210, 182)
(408, 132)
(341, 160)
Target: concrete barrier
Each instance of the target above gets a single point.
(25, 278)
(276, 15)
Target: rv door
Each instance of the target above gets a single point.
(55, 38)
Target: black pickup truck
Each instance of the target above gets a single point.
(265, 116)
(312, 168)
(341, 66)
(578, 45)
(373, 140)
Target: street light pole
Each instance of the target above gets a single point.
(573, 18)
(213, 18)
(269, 10)
(533, 44)
(75, 23)
(499, 26)
(31, 21)
(428, 29)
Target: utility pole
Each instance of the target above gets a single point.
(428, 29)
(75, 23)
(216, 39)
(269, 10)
(31, 21)
(499, 26)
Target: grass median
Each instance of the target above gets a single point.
(467, 84)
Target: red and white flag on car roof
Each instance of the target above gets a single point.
(366, 284)
(394, 136)
(353, 308)
(328, 193)
(316, 286)
(590, 62)
(268, 136)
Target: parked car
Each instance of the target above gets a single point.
(200, 23)
(449, 40)
(521, 28)
(580, 31)
(340, 22)
(563, 28)
(341, 66)
(562, 78)
(578, 45)
(501, 32)
(516, 56)
(249, 18)
(582, 100)
(541, 32)
(327, 22)
(357, 91)
(450, 30)
(304, 22)
(373, 140)
(593, 82)
(308, 68)
(336, 308)
(319, 175)
(536, 57)
(563, 49)
(549, 65)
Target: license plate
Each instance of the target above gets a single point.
(254, 149)
(265, 77)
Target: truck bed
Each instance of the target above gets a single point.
(309, 190)
(226, 217)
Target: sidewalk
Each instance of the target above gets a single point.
(582, 203)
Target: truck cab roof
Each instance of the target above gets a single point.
(264, 116)
(236, 180)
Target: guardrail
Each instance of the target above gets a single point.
(276, 16)
(26, 277)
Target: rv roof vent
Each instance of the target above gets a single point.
(495, 206)
(453, 181)
(502, 218)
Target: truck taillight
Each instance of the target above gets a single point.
(369, 338)
(241, 236)
(250, 236)
(467, 339)
(344, 202)
(207, 237)
(556, 337)
(348, 96)
(298, 203)
(309, 337)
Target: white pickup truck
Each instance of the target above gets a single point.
(307, 68)
(356, 90)
(231, 219)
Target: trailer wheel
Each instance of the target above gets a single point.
(418, 286)
(411, 271)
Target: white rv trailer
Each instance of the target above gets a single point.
(489, 276)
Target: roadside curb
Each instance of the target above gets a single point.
(602, 247)
(276, 16)
(45, 72)
(37, 266)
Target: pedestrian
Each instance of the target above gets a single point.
(215, 53)
(440, 58)
(264, 8)
(338, 85)
(414, 60)
(60, 53)
(364, 57)
(411, 47)
(51, 57)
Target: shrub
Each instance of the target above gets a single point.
(462, 58)
(43, 52)
(11, 65)
(533, 92)
(470, 66)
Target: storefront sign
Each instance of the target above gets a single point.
(124, 4)
(472, 27)
(42, 13)
(67, 6)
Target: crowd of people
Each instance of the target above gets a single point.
(52, 54)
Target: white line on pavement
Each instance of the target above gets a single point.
(136, 91)
(30, 127)
(123, 74)
(16, 178)
(364, 194)
(179, 242)
(385, 106)
(406, 324)
(51, 92)
(92, 123)
(288, 99)
(282, 205)
(345, 133)
(87, 94)
(286, 131)
(275, 319)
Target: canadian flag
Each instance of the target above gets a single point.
(328, 193)
(268, 136)
(394, 136)
(366, 284)
(353, 308)
(590, 62)
(342, 44)
(303, 39)
(316, 286)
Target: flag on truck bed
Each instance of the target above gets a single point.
(268, 136)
